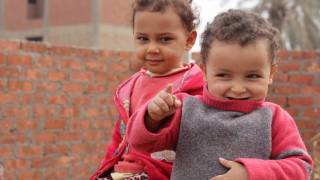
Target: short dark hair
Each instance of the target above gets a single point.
(188, 16)
(238, 26)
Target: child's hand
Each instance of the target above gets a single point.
(236, 171)
(163, 104)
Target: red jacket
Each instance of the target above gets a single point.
(191, 83)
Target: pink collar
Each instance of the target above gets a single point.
(244, 106)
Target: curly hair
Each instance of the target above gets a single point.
(237, 26)
(187, 14)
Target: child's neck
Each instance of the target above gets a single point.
(152, 74)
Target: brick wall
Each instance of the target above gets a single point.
(56, 109)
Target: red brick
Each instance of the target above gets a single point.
(47, 86)
(57, 76)
(34, 47)
(20, 60)
(34, 98)
(44, 62)
(29, 151)
(58, 173)
(56, 149)
(45, 137)
(33, 74)
(82, 170)
(283, 55)
(3, 85)
(288, 67)
(6, 152)
(6, 45)
(73, 88)
(309, 55)
(93, 112)
(313, 67)
(40, 111)
(82, 76)
(282, 100)
(69, 112)
(12, 138)
(42, 162)
(20, 86)
(293, 111)
(17, 112)
(30, 174)
(2, 59)
(280, 77)
(311, 90)
(72, 64)
(300, 101)
(9, 72)
(80, 124)
(96, 66)
(301, 79)
(17, 164)
(307, 124)
(81, 148)
(296, 54)
(102, 124)
(285, 90)
(312, 112)
(7, 97)
(69, 136)
(97, 135)
(96, 88)
(26, 125)
(81, 100)
(58, 99)
(6, 125)
(55, 124)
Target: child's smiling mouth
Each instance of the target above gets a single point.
(235, 98)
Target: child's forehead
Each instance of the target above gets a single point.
(232, 53)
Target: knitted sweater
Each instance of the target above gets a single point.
(260, 135)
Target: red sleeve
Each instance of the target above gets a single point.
(115, 141)
(142, 139)
(289, 158)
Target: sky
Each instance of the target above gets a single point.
(208, 9)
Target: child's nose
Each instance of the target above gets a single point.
(237, 88)
(153, 48)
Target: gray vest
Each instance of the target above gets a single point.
(207, 133)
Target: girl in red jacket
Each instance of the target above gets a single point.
(163, 31)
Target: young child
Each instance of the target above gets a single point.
(231, 119)
(163, 31)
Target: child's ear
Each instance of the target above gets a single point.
(274, 68)
(191, 39)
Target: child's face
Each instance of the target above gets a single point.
(161, 40)
(239, 73)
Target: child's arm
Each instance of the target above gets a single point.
(289, 158)
(150, 128)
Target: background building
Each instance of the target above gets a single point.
(89, 23)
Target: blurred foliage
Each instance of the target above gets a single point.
(297, 20)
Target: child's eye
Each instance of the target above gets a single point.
(223, 76)
(141, 39)
(253, 76)
(165, 39)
